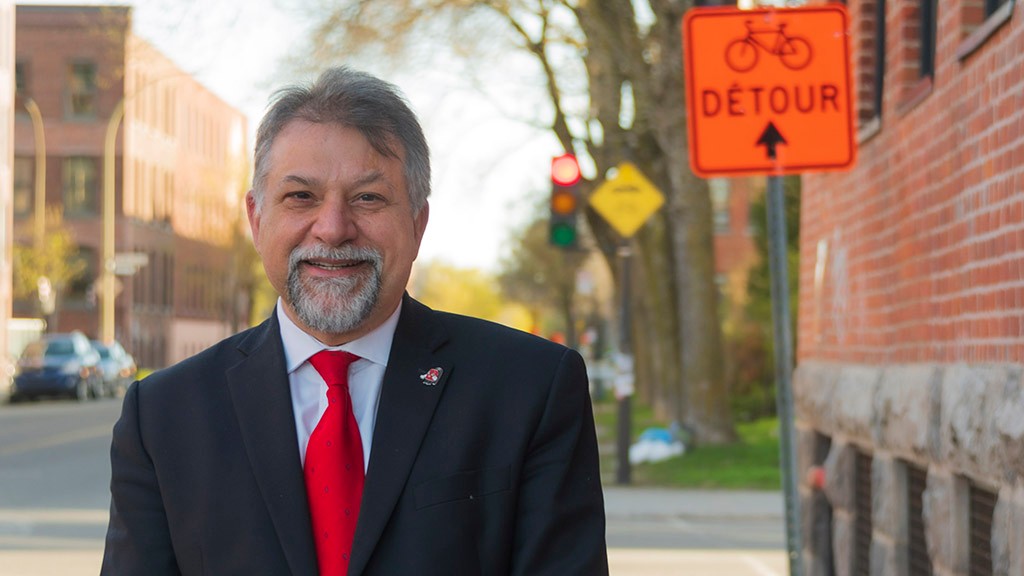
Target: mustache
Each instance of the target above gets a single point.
(315, 251)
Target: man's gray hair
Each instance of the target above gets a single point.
(356, 100)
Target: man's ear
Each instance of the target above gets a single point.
(420, 223)
(253, 213)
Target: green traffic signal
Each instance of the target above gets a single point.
(563, 235)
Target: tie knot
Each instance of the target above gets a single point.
(333, 366)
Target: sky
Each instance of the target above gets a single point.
(490, 170)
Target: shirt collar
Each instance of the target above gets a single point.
(300, 345)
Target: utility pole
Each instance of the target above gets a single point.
(107, 297)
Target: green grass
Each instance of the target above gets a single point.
(751, 463)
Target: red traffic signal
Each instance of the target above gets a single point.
(565, 174)
(565, 170)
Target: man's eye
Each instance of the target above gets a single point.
(369, 198)
(300, 195)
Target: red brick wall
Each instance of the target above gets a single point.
(916, 254)
(48, 39)
(734, 248)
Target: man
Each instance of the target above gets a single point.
(477, 441)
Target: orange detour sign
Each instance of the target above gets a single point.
(768, 91)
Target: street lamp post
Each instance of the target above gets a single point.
(40, 179)
(107, 273)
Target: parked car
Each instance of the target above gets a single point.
(118, 367)
(58, 365)
(6, 377)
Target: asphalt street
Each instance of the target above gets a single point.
(54, 495)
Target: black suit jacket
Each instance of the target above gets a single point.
(492, 470)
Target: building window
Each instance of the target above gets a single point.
(879, 59)
(168, 184)
(992, 5)
(982, 505)
(879, 45)
(929, 28)
(863, 521)
(871, 74)
(159, 279)
(24, 186)
(820, 512)
(979, 21)
(918, 561)
(81, 288)
(80, 186)
(170, 275)
(21, 79)
(720, 192)
(155, 194)
(153, 279)
(20, 88)
(82, 90)
(913, 68)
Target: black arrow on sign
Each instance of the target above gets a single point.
(770, 138)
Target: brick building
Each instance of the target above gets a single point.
(911, 321)
(6, 162)
(180, 174)
(735, 253)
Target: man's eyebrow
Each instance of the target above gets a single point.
(300, 180)
(369, 178)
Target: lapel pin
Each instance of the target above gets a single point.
(432, 376)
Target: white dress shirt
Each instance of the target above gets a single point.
(365, 377)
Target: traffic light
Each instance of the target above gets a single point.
(565, 178)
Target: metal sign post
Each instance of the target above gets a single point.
(626, 201)
(624, 374)
(784, 366)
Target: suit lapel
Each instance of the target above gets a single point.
(263, 407)
(409, 395)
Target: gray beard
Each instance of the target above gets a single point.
(334, 305)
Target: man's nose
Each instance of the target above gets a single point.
(334, 224)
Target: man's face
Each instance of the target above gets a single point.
(336, 231)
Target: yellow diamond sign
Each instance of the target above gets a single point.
(627, 200)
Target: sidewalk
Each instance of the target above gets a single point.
(676, 532)
(652, 532)
(626, 502)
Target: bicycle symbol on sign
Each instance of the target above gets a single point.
(742, 54)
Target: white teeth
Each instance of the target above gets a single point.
(331, 266)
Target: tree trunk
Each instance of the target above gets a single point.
(659, 321)
(705, 402)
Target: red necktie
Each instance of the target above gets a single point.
(334, 467)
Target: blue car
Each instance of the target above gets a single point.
(58, 365)
(118, 367)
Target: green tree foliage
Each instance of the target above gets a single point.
(56, 259)
(543, 277)
(462, 291)
(751, 345)
(759, 281)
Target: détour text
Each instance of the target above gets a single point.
(753, 100)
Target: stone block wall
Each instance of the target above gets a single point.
(963, 424)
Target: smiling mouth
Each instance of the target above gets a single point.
(333, 265)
